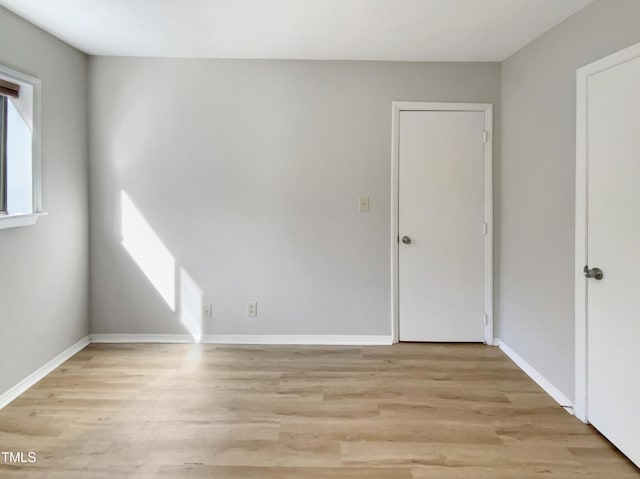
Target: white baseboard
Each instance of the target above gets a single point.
(543, 382)
(141, 338)
(37, 375)
(309, 339)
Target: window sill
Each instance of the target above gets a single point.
(14, 221)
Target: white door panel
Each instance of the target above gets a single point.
(441, 209)
(613, 306)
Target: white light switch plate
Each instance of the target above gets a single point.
(364, 203)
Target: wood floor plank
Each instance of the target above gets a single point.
(410, 411)
(226, 472)
(408, 454)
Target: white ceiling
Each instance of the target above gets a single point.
(418, 30)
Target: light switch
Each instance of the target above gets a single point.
(364, 203)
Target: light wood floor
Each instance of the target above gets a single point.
(394, 412)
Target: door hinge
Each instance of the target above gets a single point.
(486, 319)
(485, 136)
(485, 228)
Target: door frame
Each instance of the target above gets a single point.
(581, 216)
(487, 109)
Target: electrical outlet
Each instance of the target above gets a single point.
(252, 310)
(363, 202)
(207, 311)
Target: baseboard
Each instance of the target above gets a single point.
(543, 382)
(34, 377)
(141, 338)
(311, 339)
(287, 339)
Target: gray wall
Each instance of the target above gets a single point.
(44, 268)
(536, 271)
(249, 172)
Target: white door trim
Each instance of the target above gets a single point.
(487, 109)
(581, 353)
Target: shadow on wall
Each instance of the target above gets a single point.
(159, 266)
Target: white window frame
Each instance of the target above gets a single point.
(13, 221)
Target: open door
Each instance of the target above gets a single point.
(608, 244)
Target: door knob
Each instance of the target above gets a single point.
(594, 273)
(406, 240)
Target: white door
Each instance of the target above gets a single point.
(613, 245)
(441, 226)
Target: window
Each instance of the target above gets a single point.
(19, 149)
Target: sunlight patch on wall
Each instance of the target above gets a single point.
(190, 305)
(148, 251)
